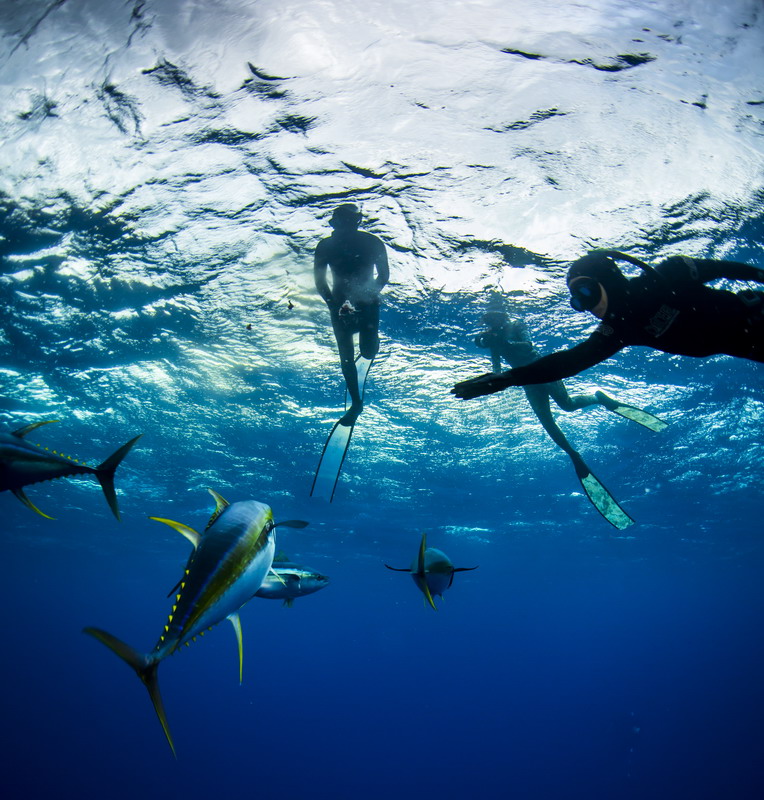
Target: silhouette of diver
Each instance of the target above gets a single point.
(509, 339)
(668, 308)
(353, 299)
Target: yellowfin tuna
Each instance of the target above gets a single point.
(228, 565)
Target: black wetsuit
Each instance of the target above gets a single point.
(668, 309)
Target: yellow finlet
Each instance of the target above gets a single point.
(236, 622)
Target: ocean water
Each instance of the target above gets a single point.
(166, 170)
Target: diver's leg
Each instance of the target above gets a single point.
(601, 499)
(538, 397)
(368, 333)
(559, 394)
(344, 336)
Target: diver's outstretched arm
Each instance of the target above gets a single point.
(547, 369)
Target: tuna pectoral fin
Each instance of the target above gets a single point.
(28, 503)
(146, 669)
(105, 474)
(398, 569)
(278, 577)
(236, 622)
(288, 602)
(292, 523)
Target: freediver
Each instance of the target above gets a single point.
(509, 339)
(667, 308)
(353, 299)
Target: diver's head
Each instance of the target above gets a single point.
(591, 279)
(346, 217)
(495, 319)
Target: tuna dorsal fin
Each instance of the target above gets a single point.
(221, 504)
(28, 503)
(22, 432)
(420, 558)
(280, 556)
(422, 574)
(184, 530)
(236, 622)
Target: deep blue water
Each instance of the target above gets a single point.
(522, 685)
(166, 170)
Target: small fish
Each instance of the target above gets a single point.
(287, 580)
(23, 463)
(432, 571)
(228, 565)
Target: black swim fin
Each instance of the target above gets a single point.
(600, 497)
(638, 415)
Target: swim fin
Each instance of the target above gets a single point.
(336, 447)
(332, 458)
(638, 415)
(600, 497)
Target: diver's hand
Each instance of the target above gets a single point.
(484, 384)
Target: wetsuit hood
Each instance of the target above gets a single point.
(603, 269)
(600, 267)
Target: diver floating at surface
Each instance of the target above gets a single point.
(668, 308)
(432, 571)
(353, 257)
(509, 339)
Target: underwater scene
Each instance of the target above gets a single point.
(381, 399)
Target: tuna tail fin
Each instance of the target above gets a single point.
(105, 474)
(145, 667)
(28, 503)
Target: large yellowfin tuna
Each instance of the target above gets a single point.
(432, 571)
(23, 463)
(228, 565)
